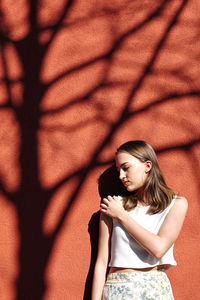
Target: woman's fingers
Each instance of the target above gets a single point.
(108, 202)
(105, 200)
(103, 208)
(103, 205)
(109, 199)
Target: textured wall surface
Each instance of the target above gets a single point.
(77, 79)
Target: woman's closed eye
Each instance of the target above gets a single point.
(125, 168)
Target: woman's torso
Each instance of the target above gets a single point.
(129, 256)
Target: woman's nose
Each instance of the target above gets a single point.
(121, 174)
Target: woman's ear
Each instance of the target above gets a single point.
(148, 165)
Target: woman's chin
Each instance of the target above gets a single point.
(129, 188)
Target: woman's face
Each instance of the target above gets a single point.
(132, 172)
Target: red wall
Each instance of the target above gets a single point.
(77, 79)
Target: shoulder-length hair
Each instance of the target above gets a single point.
(155, 192)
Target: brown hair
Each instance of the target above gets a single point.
(155, 192)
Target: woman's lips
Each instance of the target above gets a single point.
(125, 183)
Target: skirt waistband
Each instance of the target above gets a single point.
(129, 276)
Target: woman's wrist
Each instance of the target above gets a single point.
(123, 215)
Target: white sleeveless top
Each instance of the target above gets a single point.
(127, 253)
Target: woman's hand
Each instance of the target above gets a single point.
(112, 207)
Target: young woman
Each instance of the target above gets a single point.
(138, 230)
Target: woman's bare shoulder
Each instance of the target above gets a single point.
(181, 203)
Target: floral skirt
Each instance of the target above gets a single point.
(150, 285)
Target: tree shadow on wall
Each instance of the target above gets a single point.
(31, 198)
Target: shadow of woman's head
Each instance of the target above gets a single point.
(110, 184)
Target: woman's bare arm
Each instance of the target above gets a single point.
(156, 244)
(105, 228)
